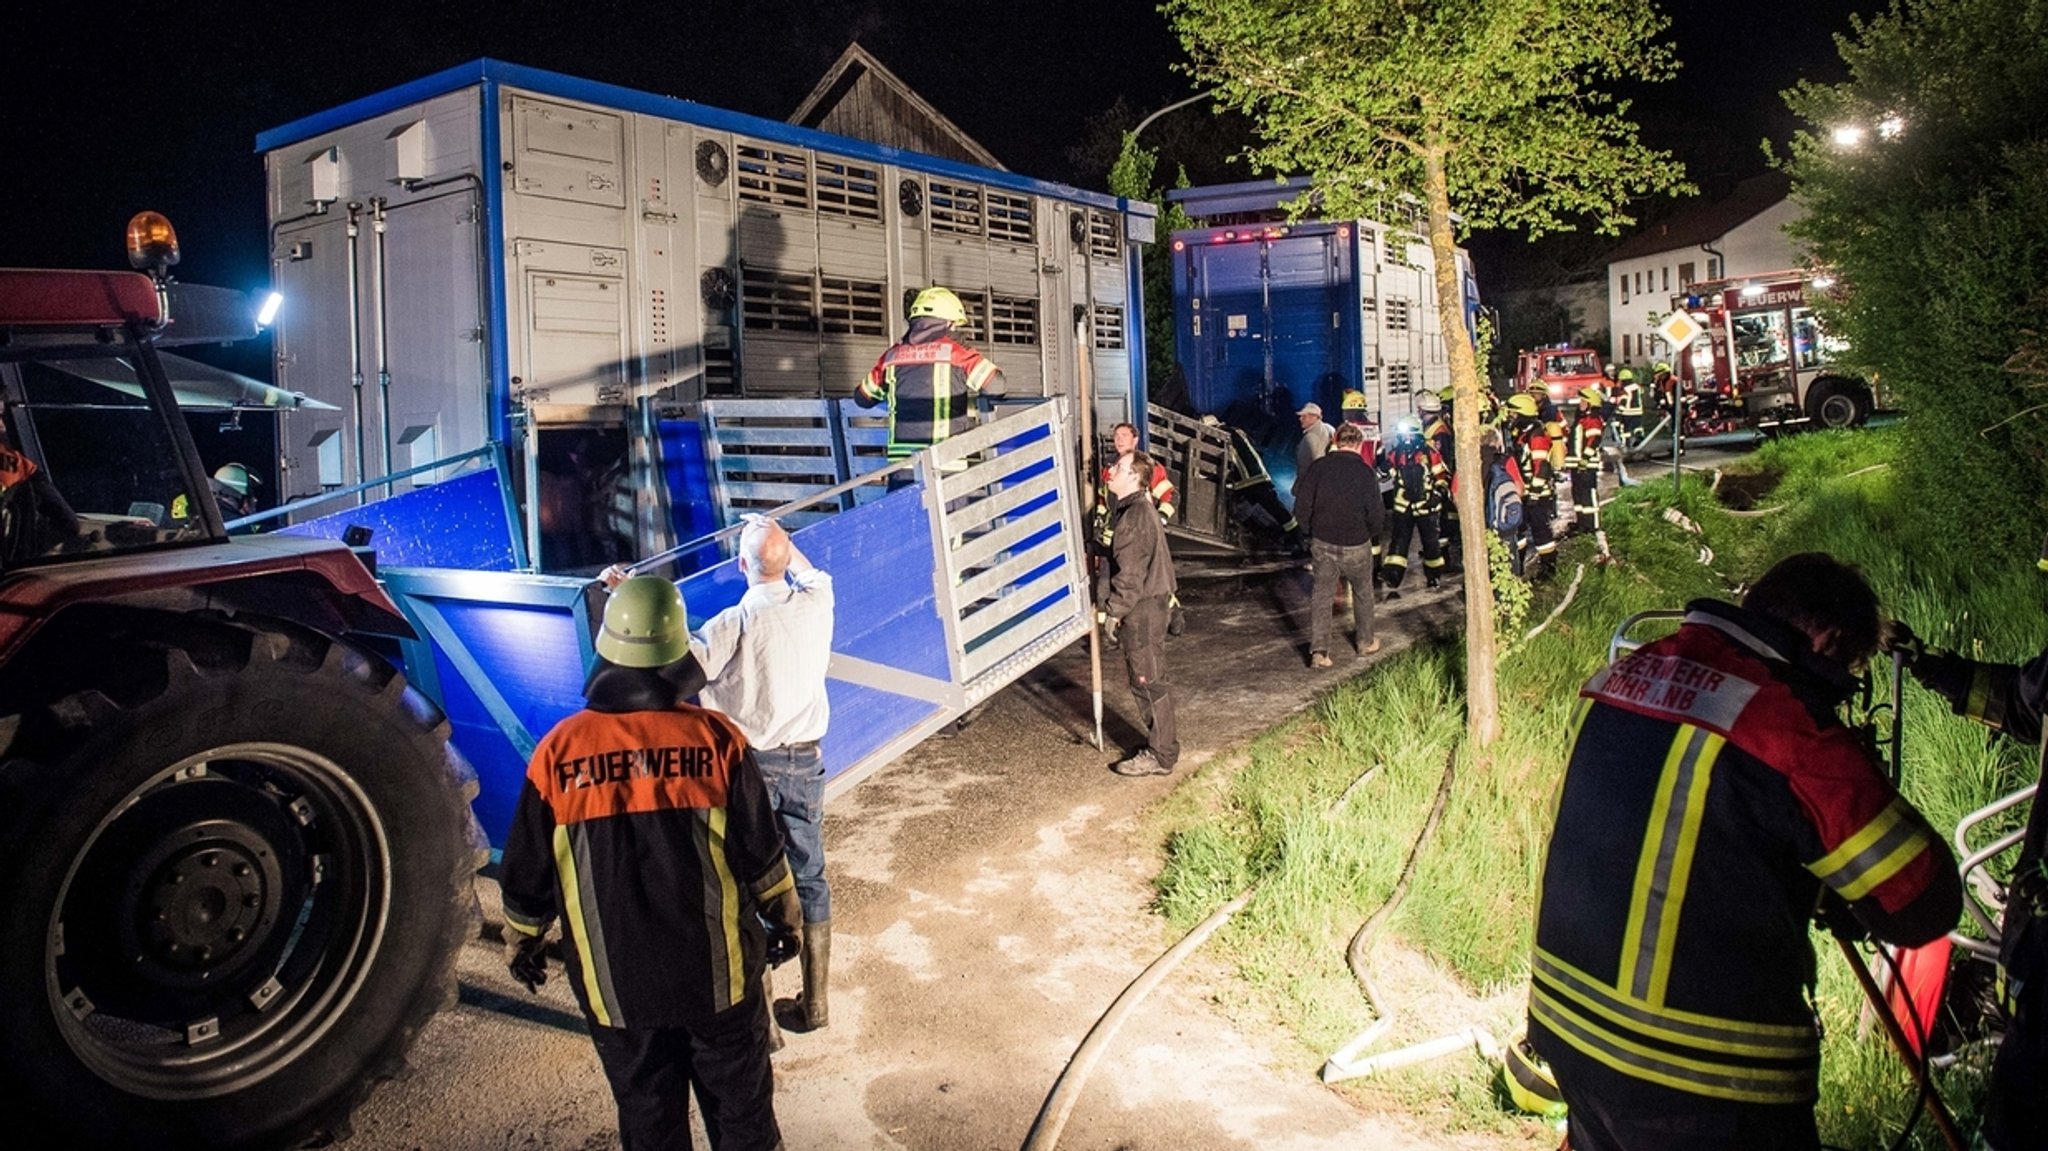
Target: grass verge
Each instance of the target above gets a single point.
(1321, 813)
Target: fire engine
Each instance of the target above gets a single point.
(1764, 348)
(1564, 368)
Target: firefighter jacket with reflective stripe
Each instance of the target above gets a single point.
(929, 380)
(1584, 452)
(1419, 478)
(651, 835)
(1535, 458)
(1444, 439)
(1629, 401)
(1710, 798)
(1247, 466)
(1160, 488)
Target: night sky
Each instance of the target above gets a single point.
(110, 109)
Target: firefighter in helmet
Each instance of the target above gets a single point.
(1665, 385)
(1530, 445)
(1582, 459)
(1628, 408)
(1420, 480)
(1354, 411)
(1433, 409)
(929, 378)
(233, 486)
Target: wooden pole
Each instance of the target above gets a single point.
(1084, 400)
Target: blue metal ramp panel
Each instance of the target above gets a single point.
(880, 557)
(458, 523)
(504, 654)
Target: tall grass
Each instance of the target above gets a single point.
(1271, 816)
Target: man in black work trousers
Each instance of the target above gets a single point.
(1141, 587)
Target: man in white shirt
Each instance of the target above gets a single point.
(764, 661)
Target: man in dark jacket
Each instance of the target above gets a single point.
(1712, 800)
(1342, 513)
(644, 825)
(929, 379)
(1141, 585)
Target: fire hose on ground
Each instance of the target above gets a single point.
(1073, 1079)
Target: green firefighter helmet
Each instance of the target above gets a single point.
(645, 624)
(938, 302)
(1660, 369)
(1529, 1081)
(235, 478)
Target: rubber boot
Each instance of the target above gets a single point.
(817, 960)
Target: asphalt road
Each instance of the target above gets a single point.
(990, 902)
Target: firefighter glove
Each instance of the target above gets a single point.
(526, 958)
(783, 944)
(784, 918)
(1898, 639)
(1945, 674)
(1834, 914)
(1110, 624)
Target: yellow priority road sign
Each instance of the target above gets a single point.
(1679, 329)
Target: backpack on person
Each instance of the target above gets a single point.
(1503, 501)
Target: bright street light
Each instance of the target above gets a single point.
(1849, 136)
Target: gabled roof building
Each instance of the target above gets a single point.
(1738, 235)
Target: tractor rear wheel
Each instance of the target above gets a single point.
(240, 883)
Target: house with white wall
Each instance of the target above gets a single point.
(1740, 235)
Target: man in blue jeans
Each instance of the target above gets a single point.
(1341, 512)
(764, 662)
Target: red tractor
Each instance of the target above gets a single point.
(235, 845)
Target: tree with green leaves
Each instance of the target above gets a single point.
(1925, 182)
(1490, 112)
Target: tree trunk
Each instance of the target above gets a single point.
(1482, 690)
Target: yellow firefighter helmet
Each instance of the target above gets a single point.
(940, 303)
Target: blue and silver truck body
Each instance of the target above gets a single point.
(1271, 314)
(562, 324)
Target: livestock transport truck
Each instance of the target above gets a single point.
(532, 325)
(1270, 313)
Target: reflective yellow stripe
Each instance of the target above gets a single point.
(1874, 854)
(581, 929)
(728, 908)
(1664, 869)
(1713, 1079)
(1707, 1033)
(979, 376)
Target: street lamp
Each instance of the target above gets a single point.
(1173, 107)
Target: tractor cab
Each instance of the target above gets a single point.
(95, 457)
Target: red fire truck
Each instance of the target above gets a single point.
(1564, 368)
(1764, 352)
